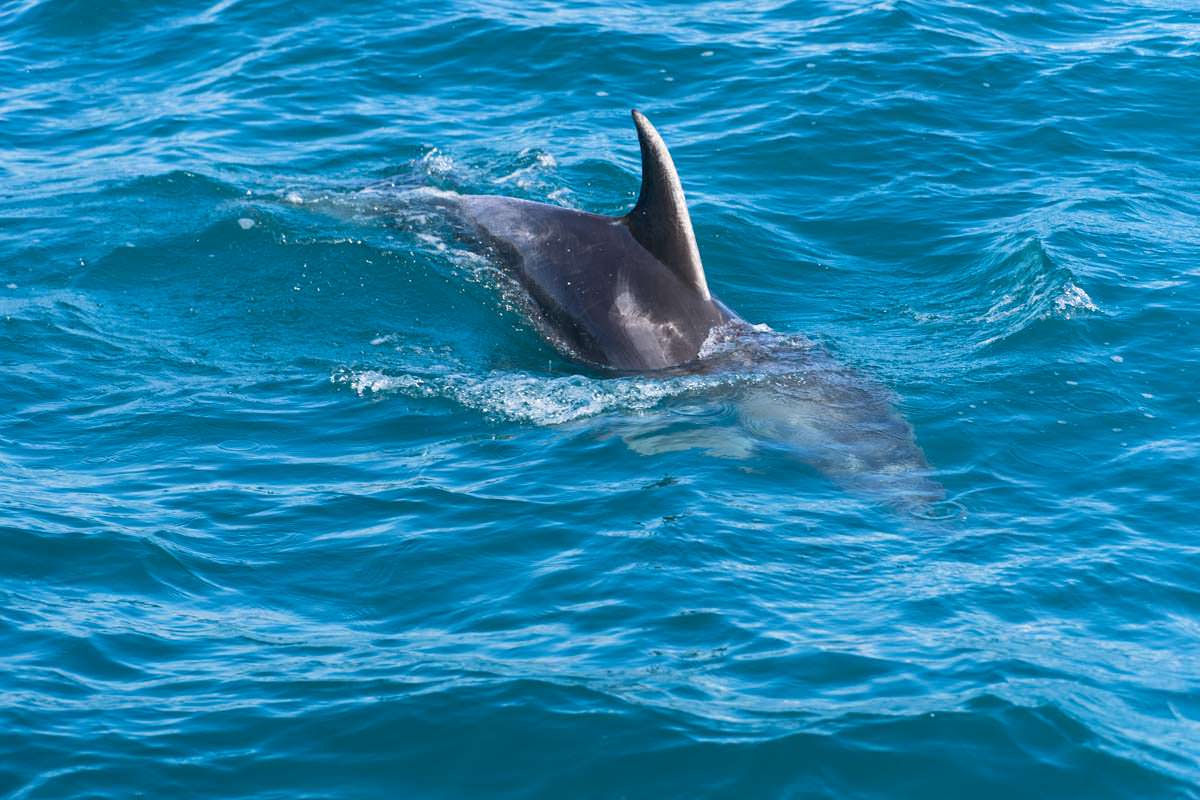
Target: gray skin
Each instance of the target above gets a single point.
(597, 293)
(629, 293)
(623, 292)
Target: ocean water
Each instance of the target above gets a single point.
(295, 502)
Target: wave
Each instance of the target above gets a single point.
(1015, 290)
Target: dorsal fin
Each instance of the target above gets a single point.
(660, 220)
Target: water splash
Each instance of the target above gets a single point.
(1027, 287)
(526, 397)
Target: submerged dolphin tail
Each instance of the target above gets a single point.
(660, 221)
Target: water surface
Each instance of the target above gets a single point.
(294, 502)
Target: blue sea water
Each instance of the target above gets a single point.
(294, 502)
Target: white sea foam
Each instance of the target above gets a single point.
(528, 177)
(1073, 299)
(552, 401)
(1062, 302)
(437, 163)
(727, 337)
(365, 382)
(522, 397)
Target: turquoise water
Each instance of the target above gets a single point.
(295, 503)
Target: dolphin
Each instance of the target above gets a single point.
(629, 294)
(622, 292)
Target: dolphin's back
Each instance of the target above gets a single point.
(597, 290)
(630, 293)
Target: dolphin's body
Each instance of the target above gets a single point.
(623, 292)
(630, 294)
(598, 292)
